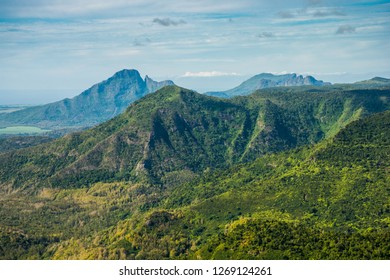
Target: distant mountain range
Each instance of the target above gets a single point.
(97, 104)
(111, 97)
(267, 80)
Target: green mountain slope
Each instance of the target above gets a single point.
(306, 204)
(99, 103)
(19, 142)
(143, 184)
(331, 201)
(311, 203)
(177, 130)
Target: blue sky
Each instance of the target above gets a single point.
(51, 49)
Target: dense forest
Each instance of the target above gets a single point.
(284, 173)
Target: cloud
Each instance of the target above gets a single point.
(118, 8)
(284, 72)
(307, 13)
(14, 30)
(58, 8)
(266, 35)
(345, 29)
(208, 74)
(325, 73)
(141, 42)
(286, 14)
(327, 13)
(168, 22)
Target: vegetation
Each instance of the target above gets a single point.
(22, 130)
(176, 129)
(280, 174)
(18, 142)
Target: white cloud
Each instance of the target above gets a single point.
(208, 74)
(280, 73)
(115, 8)
(70, 8)
(308, 13)
(325, 74)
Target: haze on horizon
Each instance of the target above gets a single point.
(51, 49)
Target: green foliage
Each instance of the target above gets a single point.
(262, 239)
(19, 142)
(20, 130)
(176, 129)
(173, 178)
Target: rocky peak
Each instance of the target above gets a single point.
(267, 80)
(152, 85)
(127, 73)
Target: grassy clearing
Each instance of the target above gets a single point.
(22, 130)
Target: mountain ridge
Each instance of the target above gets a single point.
(267, 80)
(177, 129)
(99, 103)
(375, 81)
(110, 97)
(324, 201)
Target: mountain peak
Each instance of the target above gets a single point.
(375, 81)
(127, 73)
(380, 80)
(152, 85)
(99, 103)
(267, 80)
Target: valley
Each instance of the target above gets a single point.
(283, 173)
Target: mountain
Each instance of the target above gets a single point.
(329, 201)
(326, 201)
(283, 173)
(267, 80)
(177, 131)
(97, 104)
(323, 201)
(19, 142)
(376, 81)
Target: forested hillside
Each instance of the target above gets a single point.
(304, 204)
(19, 142)
(281, 174)
(177, 130)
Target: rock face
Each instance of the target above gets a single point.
(97, 104)
(267, 80)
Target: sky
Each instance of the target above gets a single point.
(52, 49)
